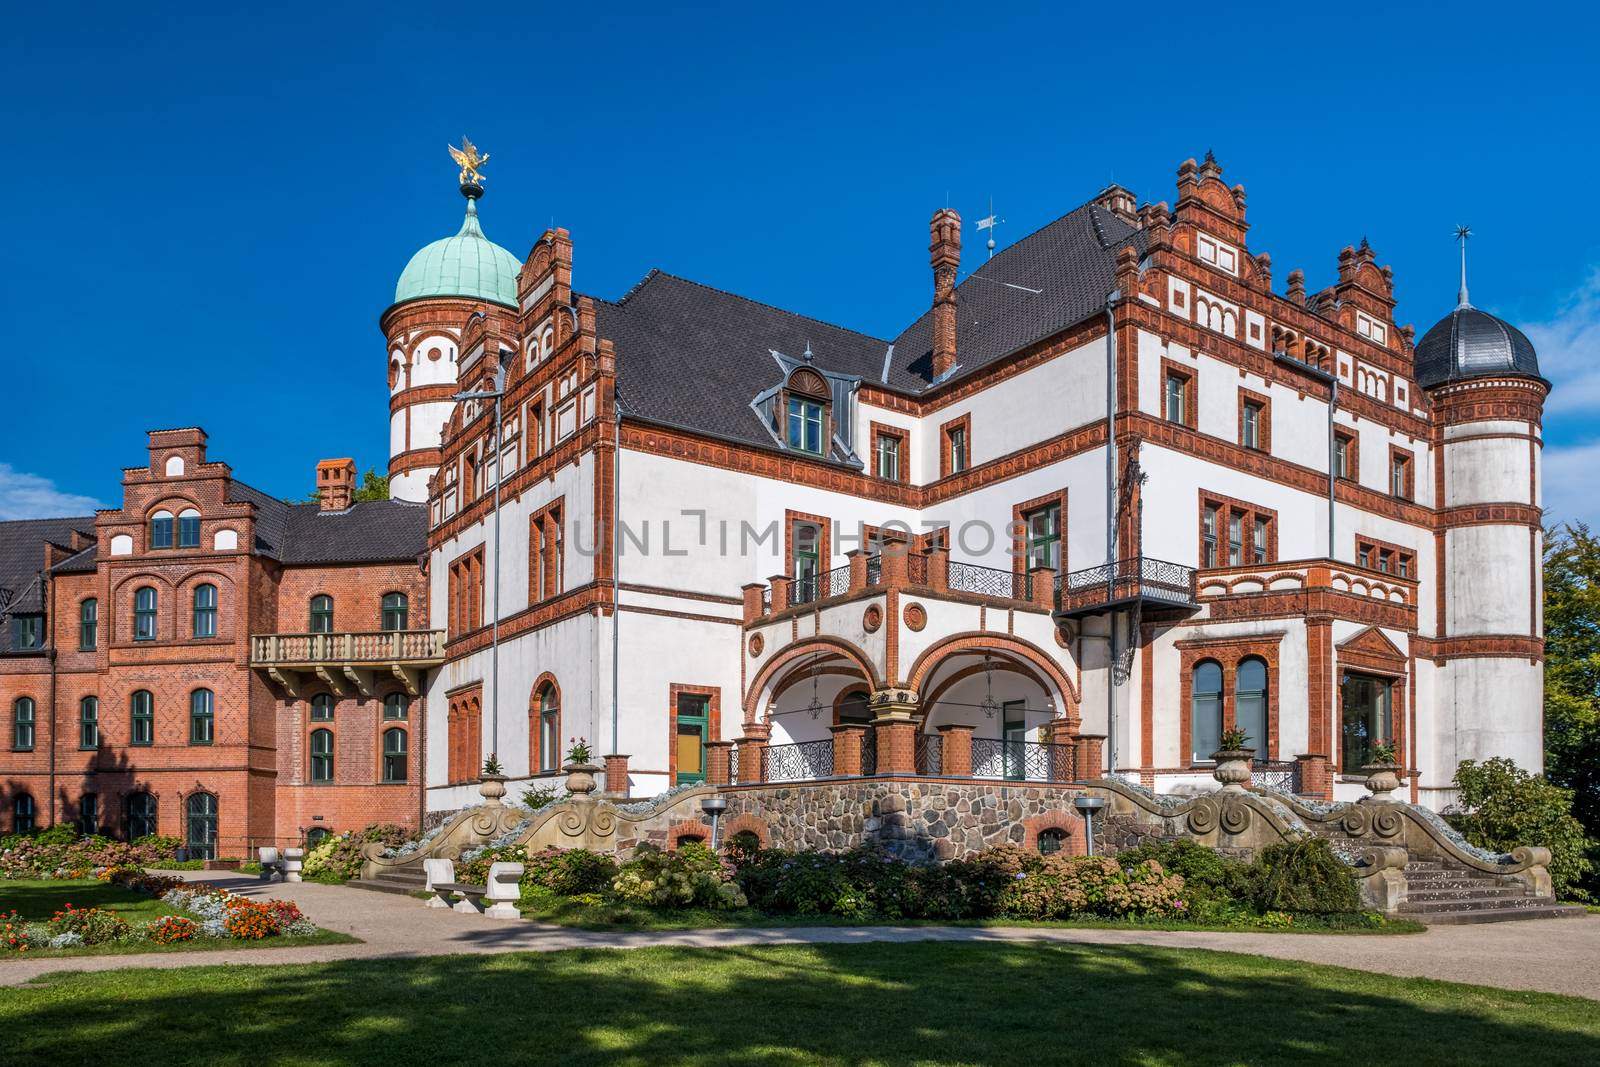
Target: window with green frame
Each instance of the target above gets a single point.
(395, 611)
(394, 755)
(1013, 734)
(202, 717)
(205, 610)
(1044, 536)
(189, 528)
(27, 632)
(141, 718)
(322, 755)
(322, 707)
(806, 538)
(396, 707)
(89, 624)
(144, 614)
(322, 614)
(161, 529)
(89, 722)
(888, 457)
(693, 724)
(806, 423)
(22, 724)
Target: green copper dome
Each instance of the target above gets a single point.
(467, 265)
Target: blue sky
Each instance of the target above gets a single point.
(206, 213)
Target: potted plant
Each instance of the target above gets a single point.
(1233, 761)
(492, 781)
(1383, 770)
(580, 770)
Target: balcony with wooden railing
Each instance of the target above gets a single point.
(349, 663)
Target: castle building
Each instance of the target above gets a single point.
(1109, 497)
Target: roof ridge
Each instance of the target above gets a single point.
(759, 303)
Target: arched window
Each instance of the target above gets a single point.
(395, 611)
(689, 839)
(188, 528)
(322, 755)
(1250, 703)
(396, 707)
(89, 624)
(89, 722)
(201, 828)
(394, 755)
(141, 815)
(22, 813)
(1051, 841)
(1206, 710)
(144, 614)
(549, 729)
(22, 724)
(853, 708)
(161, 529)
(746, 841)
(322, 707)
(315, 836)
(202, 717)
(141, 718)
(322, 614)
(205, 610)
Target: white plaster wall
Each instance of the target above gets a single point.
(428, 371)
(1487, 471)
(1489, 571)
(411, 485)
(1484, 708)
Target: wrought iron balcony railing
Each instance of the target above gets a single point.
(1154, 582)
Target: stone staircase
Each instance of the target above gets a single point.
(1438, 894)
(406, 878)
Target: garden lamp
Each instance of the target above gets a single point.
(714, 806)
(1087, 806)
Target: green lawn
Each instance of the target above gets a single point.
(927, 1003)
(36, 899)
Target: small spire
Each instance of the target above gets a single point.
(1463, 233)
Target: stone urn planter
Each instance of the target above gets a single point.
(580, 777)
(491, 787)
(1233, 768)
(1382, 779)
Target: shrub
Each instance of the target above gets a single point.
(690, 875)
(1214, 887)
(1507, 807)
(337, 858)
(60, 834)
(162, 848)
(537, 796)
(570, 871)
(170, 930)
(93, 926)
(1059, 886)
(1303, 877)
(475, 870)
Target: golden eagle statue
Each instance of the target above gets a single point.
(470, 162)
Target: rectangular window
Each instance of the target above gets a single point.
(1235, 538)
(22, 722)
(1258, 540)
(1208, 538)
(1235, 533)
(1344, 449)
(89, 624)
(805, 425)
(1044, 537)
(205, 611)
(1175, 398)
(1251, 430)
(807, 563)
(89, 814)
(27, 632)
(1400, 477)
(142, 719)
(1013, 738)
(144, 614)
(1367, 718)
(465, 609)
(888, 457)
(956, 446)
(202, 717)
(188, 531)
(693, 722)
(89, 723)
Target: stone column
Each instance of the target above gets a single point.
(617, 775)
(719, 762)
(847, 749)
(1316, 775)
(1090, 754)
(896, 731)
(955, 752)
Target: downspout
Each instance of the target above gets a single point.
(1333, 403)
(1111, 529)
(616, 559)
(46, 594)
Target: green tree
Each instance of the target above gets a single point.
(1506, 807)
(374, 486)
(1572, 668)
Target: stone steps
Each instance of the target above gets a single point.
(1541, 908)
(404, 880)
(1464, 895)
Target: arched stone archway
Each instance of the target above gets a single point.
(794, 695)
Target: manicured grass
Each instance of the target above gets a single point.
(36, 899)
(564, 911)
(889, 1004)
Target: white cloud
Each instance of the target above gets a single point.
(28, 496)
(1568, 346)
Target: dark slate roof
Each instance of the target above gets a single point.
(1469, 343)
(372, 531)
(81, 563)
(693, 356)
(1072, 262)
(22, 556)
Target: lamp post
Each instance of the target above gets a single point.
(496, 394)
(1087, 806)
(714, 806)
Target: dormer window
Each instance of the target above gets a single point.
(806, 408)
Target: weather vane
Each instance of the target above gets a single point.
(470, 162)
(1462, 234)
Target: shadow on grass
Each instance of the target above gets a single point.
(36, 900)
(814, 1004)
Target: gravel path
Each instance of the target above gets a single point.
(1552, 955)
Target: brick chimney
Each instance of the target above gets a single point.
(336, 483)
(944, 252)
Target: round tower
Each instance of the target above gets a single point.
(441, 286)
(1482, 377)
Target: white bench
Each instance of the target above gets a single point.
(293, 861)
(503, 888)
(273, 866)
